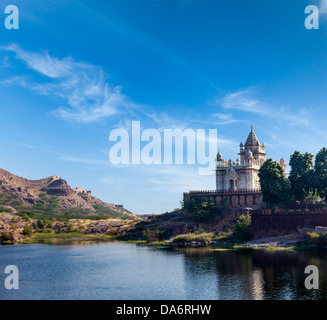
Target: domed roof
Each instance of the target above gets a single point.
(249, 154)
(219, 157)
(252, 139)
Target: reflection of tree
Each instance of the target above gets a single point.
(200, 274)
(252, 274)
(283, 274)
(235, 277)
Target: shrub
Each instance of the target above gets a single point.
(26, 217)
(6, 237)
(40, 224)
(202, 209)
(153, 235)
(317, 240)
(27, 231)
(3, 209)
(112, 232)
(242, 229)
(196, 237)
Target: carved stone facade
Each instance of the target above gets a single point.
(242, 175)
(237, 183)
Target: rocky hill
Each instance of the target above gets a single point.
(53, 197)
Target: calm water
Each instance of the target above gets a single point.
(127, 271)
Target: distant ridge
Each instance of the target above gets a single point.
(53, 196)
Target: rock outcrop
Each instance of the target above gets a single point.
(55, 193)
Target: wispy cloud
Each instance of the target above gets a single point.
(85, 160)
(4, 63)
(86, 94)
(245, 101)
(224, 118)
(323, 7)
(25, 145)
(180, 179)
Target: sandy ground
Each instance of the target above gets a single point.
(279, 241)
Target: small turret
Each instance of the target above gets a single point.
(249, 154)
(283, 164)
(219, 157)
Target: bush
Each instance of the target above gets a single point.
(6, 237)
(3, 209)
(196, 237)
(26, 217)
(242, 229)
(112, 232)
(27, 231)
(202, 209)
(317, 240)
(40, 224)
(152, 235)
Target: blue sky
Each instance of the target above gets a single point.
(76, 70)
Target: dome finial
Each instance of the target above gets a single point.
(252, 140)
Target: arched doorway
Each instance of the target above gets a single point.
(231, 185)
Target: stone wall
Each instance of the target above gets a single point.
(286, 221)
(228, 200)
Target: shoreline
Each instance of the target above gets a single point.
(269, 244)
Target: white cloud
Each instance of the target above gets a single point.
(244, 100)
(224, 118)
(241, 100)
(323, 7)
(83, 88)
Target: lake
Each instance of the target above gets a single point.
(123, 271)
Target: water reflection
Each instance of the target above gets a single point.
(113, 270)
(254, 274)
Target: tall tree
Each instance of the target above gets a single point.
(320, 173)
(275, 187)
(301, 174)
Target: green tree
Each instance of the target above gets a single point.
(40, 224)
(275, 188)
(27, 231)
(201, 208)
(320, 172)
(242, 229)
(26, 217)
(301, 175)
